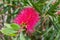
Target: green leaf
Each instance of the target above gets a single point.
(8, 31)
(27, 38)
(22, 37)
(7, 25)
(48, 31)
(15, 26)
(14, 38)
(46, 8)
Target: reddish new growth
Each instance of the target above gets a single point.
(58, 12)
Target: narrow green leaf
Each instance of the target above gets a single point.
(46, 8)
(22, 37)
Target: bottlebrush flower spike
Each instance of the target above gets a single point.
(28, 18)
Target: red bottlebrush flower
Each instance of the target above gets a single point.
(28, 18)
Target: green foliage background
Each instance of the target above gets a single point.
(47, 29)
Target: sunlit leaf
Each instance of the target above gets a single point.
(15, 26)
(8, 31)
